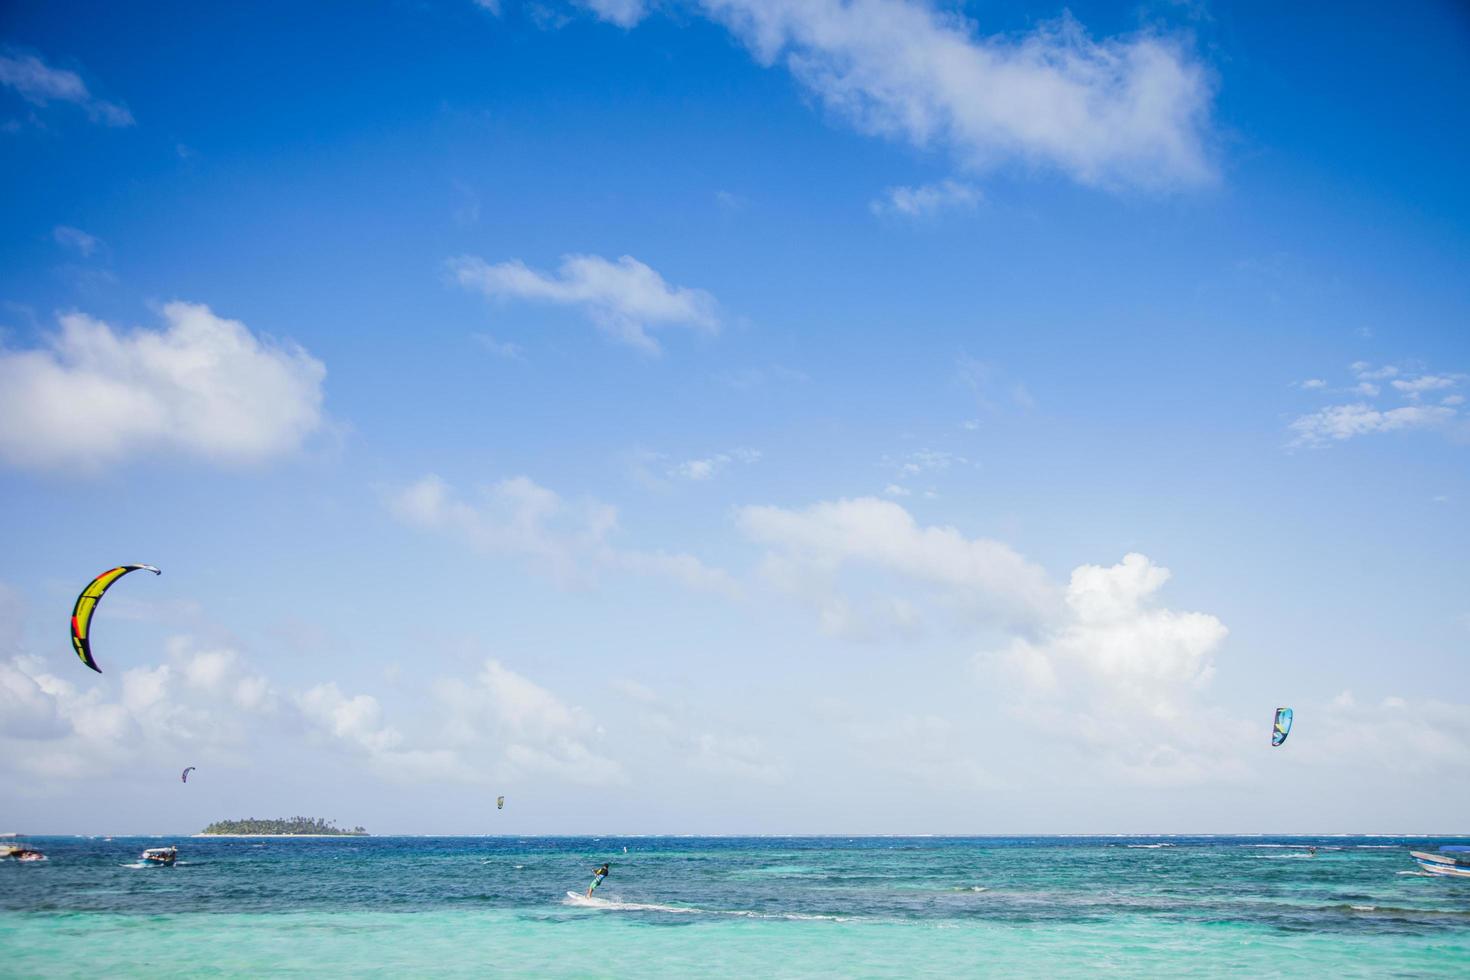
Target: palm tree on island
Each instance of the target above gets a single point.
(287, 827)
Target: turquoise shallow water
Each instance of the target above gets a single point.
(783, 907)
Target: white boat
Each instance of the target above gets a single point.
(18, 852)
(1451, 862)
(161, 856)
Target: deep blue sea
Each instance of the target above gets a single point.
(754, 907)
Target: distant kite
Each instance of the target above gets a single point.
(500, 803)
(185, 776)
(1282, 727)
(81, 613)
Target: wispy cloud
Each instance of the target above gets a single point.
(202, 386)
(1338, 423)
(707, 467)
(749, 379)
(570, 540)
(927, 200)
(40, 84)
(75, 238)
(925, 461)
(1125, 111)
(624, 13)
(500, 348)
(991, 386)
(625, 298)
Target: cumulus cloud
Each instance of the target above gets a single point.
(357, 719)
(625, 298)
(927, 200)
(809, 547)
(202, 386)
(199, 701)
(510, 725)
(206, 703)
(40, 84)
(1129, 111)
(1120, 675)
(572, 541)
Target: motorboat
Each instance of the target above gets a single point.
(1452, 861)
(163, 857)
(18, 852)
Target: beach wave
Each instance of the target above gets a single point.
(613, 905)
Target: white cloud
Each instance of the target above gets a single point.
(688, 736)
(509, 724)
(500, 348)
(357, 719)
(1367, 372)
(895, 490)
(200, 704)
(809, 547)
(624, 298)
(1119, 677)
(1414, 387)
(1337, 423)
(1396, 735)
(699, 470)
(624, 13)
(203, 386)
(27, 709)
(570, 541)
(206, 705)
(926, 461)
(75, 238)
(989, 384)
(750, 379)
(920, 747)
(927, 200)
(516, 516)
(1314, 383)
(40, 85)
(1340, 422)
(1123, 111)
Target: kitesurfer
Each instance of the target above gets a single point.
(597, 876)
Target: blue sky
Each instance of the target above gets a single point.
(736, 417)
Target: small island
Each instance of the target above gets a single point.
(286, 827)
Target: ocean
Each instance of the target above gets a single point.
(734, 906)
